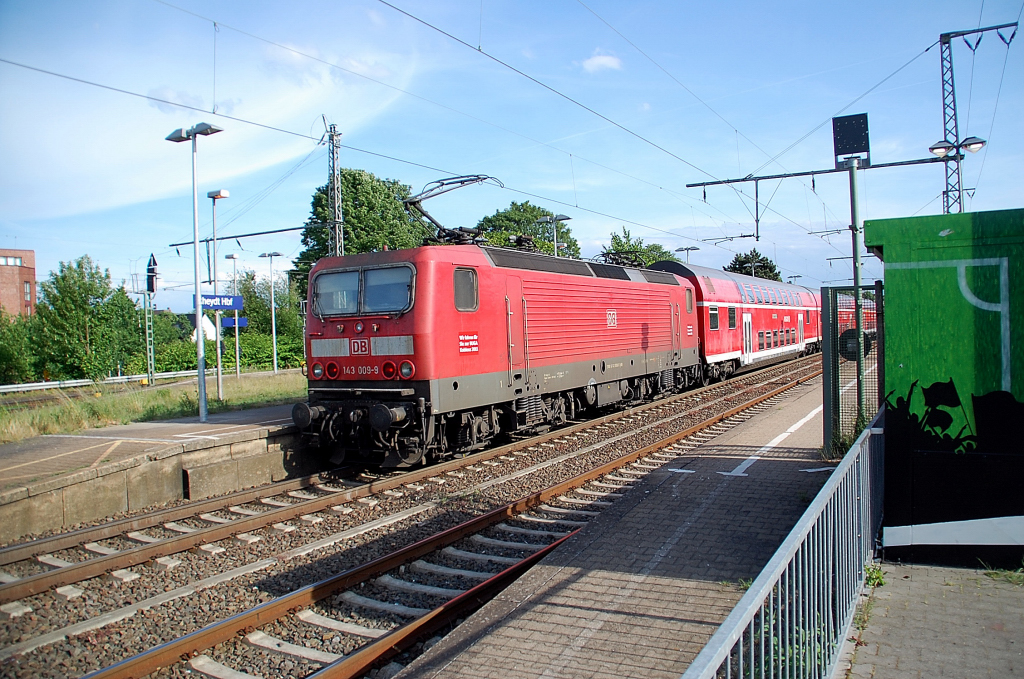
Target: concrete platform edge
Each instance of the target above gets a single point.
(232, 462)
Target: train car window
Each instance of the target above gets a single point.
(689, 300)
(750, 293)
(743, 294)
(732, 318)
(775, 338)
(807, 318)
(387, 290)
(757, 293)
(713, 317)
(336, 293)
(760, 340)
(771, 292)
(467, 296)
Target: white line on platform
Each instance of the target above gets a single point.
(819, 469)
(745, 465)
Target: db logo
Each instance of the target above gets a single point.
(613, 318)
(360, 347)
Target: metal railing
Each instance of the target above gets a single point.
(120, 379)
(794, 617)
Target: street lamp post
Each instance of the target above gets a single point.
(548, 219)
(180, 135)
(234, 291)
(687, 250)
(273, 307)
(953, 152)
(792, 279)
(213, 196)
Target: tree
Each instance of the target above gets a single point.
(85, 327)
(762, 266)
(650, 253)
(520, 219)
(374, 219)
(15, 349)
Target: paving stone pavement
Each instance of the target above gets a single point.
(930, 621)
(640, 590)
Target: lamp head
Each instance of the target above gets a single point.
(206, 129)
(973, 144)
(942, 148)
(179, 135)
(562, 218)
(231, 256)
(219, 193)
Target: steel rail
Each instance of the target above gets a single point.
(100, 565)
(27, 550)
(224, 630)
(401, 638)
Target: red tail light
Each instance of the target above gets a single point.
(389, 370)
(332, 370)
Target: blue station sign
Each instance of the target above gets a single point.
(222, 302)
(229, 322)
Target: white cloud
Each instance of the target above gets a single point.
(167, 94)
(645, 107)
(600, 62)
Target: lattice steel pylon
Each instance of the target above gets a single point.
(337, 241)
(952, 197)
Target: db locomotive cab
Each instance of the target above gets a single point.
(365, 403)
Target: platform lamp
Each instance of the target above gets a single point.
(273, 308)
(687, 250)
(954, 153)
(548, 219)
(234, 291)
(191, 134)
(214, 196)
(792, 278)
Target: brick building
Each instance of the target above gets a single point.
(18, 281)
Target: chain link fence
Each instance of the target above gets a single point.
(854, 378)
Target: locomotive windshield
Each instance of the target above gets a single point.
(385, 290)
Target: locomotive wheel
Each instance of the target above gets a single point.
(705, 379)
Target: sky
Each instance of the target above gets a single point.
(599, 110)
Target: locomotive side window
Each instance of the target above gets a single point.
(760, 340)
(387, 289)
(467, 297)
(689, 301)
(713, 317)
(732, 318)
(336, 293)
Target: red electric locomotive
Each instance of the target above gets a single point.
(431, 352)
(747, 321)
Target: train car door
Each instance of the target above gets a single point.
(800, 330)
(515, 323)
(748, 339)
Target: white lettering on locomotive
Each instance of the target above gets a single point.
(469, 344)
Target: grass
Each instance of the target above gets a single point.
(1014, 577)
(873, 576)
(106, 406)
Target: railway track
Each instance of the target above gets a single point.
(431, 499)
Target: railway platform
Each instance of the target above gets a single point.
(642, 588)
(54, 481)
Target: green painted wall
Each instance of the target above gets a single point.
(954, 306)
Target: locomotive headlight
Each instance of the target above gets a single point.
(359, 326)
(318, 371)
(407, 369)
(389, 370)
